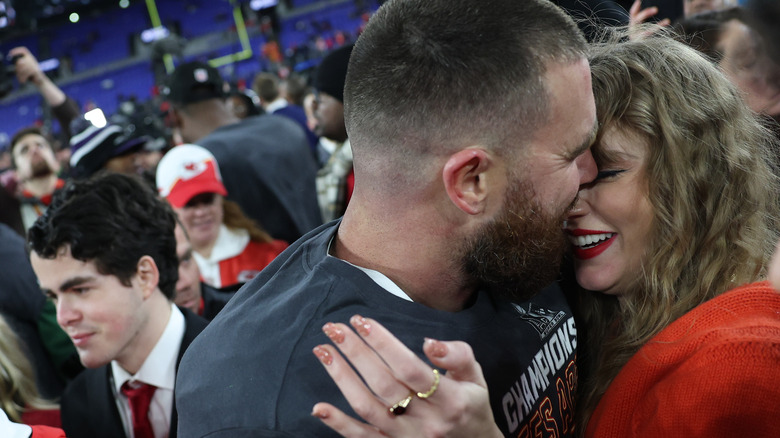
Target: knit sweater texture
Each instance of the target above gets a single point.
(714, 372)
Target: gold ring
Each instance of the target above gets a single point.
(434, 387)
(400, 407)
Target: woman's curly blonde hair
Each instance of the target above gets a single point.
(711, 181)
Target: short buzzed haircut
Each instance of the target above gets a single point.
(427, 74)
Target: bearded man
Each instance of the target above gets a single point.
(37, 179)
(467, 152)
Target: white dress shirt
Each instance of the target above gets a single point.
(159, 369)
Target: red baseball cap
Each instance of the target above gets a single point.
(186, 171)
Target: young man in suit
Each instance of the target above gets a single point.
(105, 252)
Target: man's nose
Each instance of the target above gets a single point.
(587, 167)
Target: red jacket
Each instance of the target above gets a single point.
(245, 266)
(714, 372)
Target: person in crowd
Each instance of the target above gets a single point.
(191, 293)
(30, 315)
(294, 89)
(764, 16)
(28, 71)
(23, 412)
(143, 138)
(728, 38)
(36, 179)
(670, 244)
(244, 103)
(63, 108)
(19, 397)
(105, 252)
(229, 248)
(5, 158)
(454, 225)
(265, 160)
(325, 146)
(267, 87)
(336, 179)
(693, 7)
(108, 148)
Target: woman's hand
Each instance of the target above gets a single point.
(424, 404)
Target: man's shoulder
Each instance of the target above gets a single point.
(193, 324)
(268, 124)
(88, 380)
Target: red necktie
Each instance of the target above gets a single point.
(139, 395)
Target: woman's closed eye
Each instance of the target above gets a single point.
(605, 174)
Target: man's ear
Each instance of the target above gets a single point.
(148, 275)
(465, 179)
(175, 117)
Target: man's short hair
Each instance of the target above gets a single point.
(453, 72)
(266, 85)
(112, 220)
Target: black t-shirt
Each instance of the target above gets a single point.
(252, 371)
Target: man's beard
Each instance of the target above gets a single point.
(40, 169)
(519, 252)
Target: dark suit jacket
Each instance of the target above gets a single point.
(88, 407)
(214, 300)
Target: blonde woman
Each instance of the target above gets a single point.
(671, 245)
(229, 248)
(19, 397)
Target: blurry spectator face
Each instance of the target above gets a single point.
(748, 66)
(308, 108)
(34, 158)
(329, 113)
(188, 291)
(149, 159)
(101, 315)
(5, 159)
(202, 216)
(129, 164)
(691, 7)
(239, 107)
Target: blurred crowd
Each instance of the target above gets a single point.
(211, 185)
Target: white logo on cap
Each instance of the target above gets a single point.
(191, 169)
(201, 75)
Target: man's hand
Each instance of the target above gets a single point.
(27, 67)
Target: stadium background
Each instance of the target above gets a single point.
(114, 54)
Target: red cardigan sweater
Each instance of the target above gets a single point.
(714, 372)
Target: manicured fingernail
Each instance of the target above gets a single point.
(334, 333)
(437, 348)
(319, 414)
(361, 325)
(323, 355)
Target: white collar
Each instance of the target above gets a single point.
(159, 368)
(276, 105)
(379, 278)
(230, 243)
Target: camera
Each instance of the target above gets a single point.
(7, 73)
